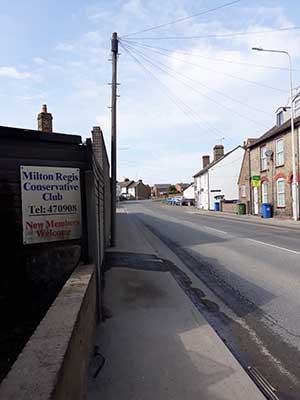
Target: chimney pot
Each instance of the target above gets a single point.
(44, 108)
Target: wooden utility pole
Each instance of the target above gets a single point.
(114, 51)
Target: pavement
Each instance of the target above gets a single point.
(246, 280)
(156, 344)
(284, 222)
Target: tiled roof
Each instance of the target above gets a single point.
(162, 186)
(276, 130)
(189, 185)
(126, 183)
(184, 185)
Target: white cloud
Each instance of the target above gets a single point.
(99, 16)
(39, 60)
(32, 97)
(12, 72)
(65, 47)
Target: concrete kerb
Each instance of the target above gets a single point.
(54, 363)
(250, 219)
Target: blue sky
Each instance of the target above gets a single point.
(57, 52)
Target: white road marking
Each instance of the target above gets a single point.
(214, 229)
(273, 245)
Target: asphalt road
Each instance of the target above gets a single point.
(252, 269)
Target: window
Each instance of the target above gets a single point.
(279, 118)
(264, 192)
(243, 190)
(279, 152)
(280, 193)
(297, 105)
(263, 158)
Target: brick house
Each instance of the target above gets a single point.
(271, 161)
(139, 190)
(161, 189)
(244, 181)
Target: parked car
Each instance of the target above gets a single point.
(178, 201)
(188, 202)
(168, 200)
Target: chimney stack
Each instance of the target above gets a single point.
(205, 161)
(218, 151)
(45, 120)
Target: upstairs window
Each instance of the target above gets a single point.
(263, 158)
(279, 152)
(243, 191)
(279, 118)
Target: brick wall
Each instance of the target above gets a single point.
(244, 181)
(271, 174)
(54, 363)
(100, 153)
(228, 207)
(142, 191)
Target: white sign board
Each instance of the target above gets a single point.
(51, 204)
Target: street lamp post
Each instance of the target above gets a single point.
(295, 191)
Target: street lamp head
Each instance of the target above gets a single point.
(258, 48)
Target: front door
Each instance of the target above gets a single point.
(255, 200)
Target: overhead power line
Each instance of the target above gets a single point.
(217, 35)
(187, 110)
(179, 78)
(175, 21)
(186, 53)
(220, 72)
(219, 92)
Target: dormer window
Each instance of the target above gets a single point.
(279, 118)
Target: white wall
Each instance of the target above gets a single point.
(123, 190)
(224, 177)
(119, 190)
(131, 191)
(189, 193)
(201, 191)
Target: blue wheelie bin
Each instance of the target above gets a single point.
(216, 206)
(267, 210)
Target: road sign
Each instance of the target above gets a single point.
(256, 181)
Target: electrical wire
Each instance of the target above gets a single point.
(184, 18)
(211, 58)
(221, 93)
(221, 73)
(180, 75)
(218, 35)
(172, 97)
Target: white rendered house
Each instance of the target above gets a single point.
(218, 179)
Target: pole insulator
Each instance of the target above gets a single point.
(114, 43)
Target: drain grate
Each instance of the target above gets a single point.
(264, 385)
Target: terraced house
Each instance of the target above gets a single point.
(270, 161)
